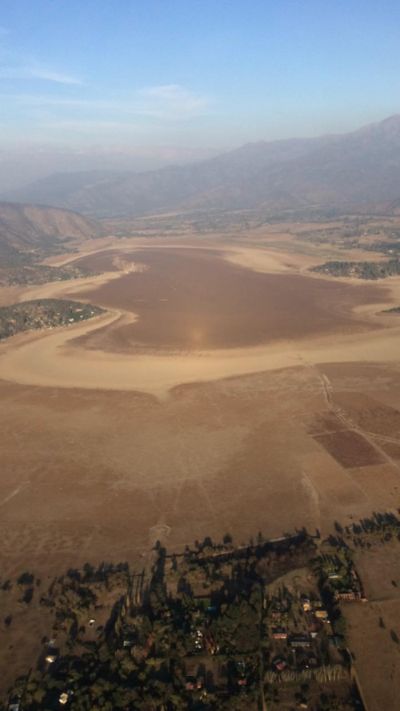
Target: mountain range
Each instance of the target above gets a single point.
(353, 171)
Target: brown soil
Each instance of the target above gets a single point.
(350, 449)
(193, 299)
(93, 475)
(325, 422)
(374, 629)
(372, 416)
(377, 658)
(392, 449)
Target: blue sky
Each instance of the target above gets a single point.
(193, 75)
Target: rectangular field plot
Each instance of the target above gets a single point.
(350, 449)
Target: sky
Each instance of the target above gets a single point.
(140, 83)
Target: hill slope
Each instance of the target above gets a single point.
(32, 229)
(354, 170)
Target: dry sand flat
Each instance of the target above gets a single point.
(53, 360)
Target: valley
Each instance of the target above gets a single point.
(224, 388)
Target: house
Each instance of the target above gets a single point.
(128, 643)
(279, 664)
(322, 615)
(306, 603)
(300, 640)
(52, 653)
(349, 595)
(279, 633)
(51, 657)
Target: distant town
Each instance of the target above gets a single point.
(42, 314)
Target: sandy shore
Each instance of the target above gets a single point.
(51, 359)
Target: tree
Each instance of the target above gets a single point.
(25, 579)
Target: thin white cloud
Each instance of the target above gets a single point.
(19, 66)
(171, 101)
(35, 71)
(167, 103)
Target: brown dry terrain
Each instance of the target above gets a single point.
(193, 299)
(350, 449)
(374, 627)
(94, 468)
(93, 475)
(103, 452)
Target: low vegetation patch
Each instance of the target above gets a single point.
(360, 270)
(394, 310)
(43, 313)
(25, 274)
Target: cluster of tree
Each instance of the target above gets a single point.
(384, 525)
(360, 270)
(140, 657)
(23, 274)
(43, 313)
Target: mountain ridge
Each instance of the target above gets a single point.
(342, 171)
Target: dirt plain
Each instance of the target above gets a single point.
(91, 469)
(264, 378)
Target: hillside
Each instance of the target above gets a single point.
(358, 170)
(26, 228)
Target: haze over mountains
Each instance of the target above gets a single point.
(358, 170)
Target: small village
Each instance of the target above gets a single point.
(215, 626)
(43, 314)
